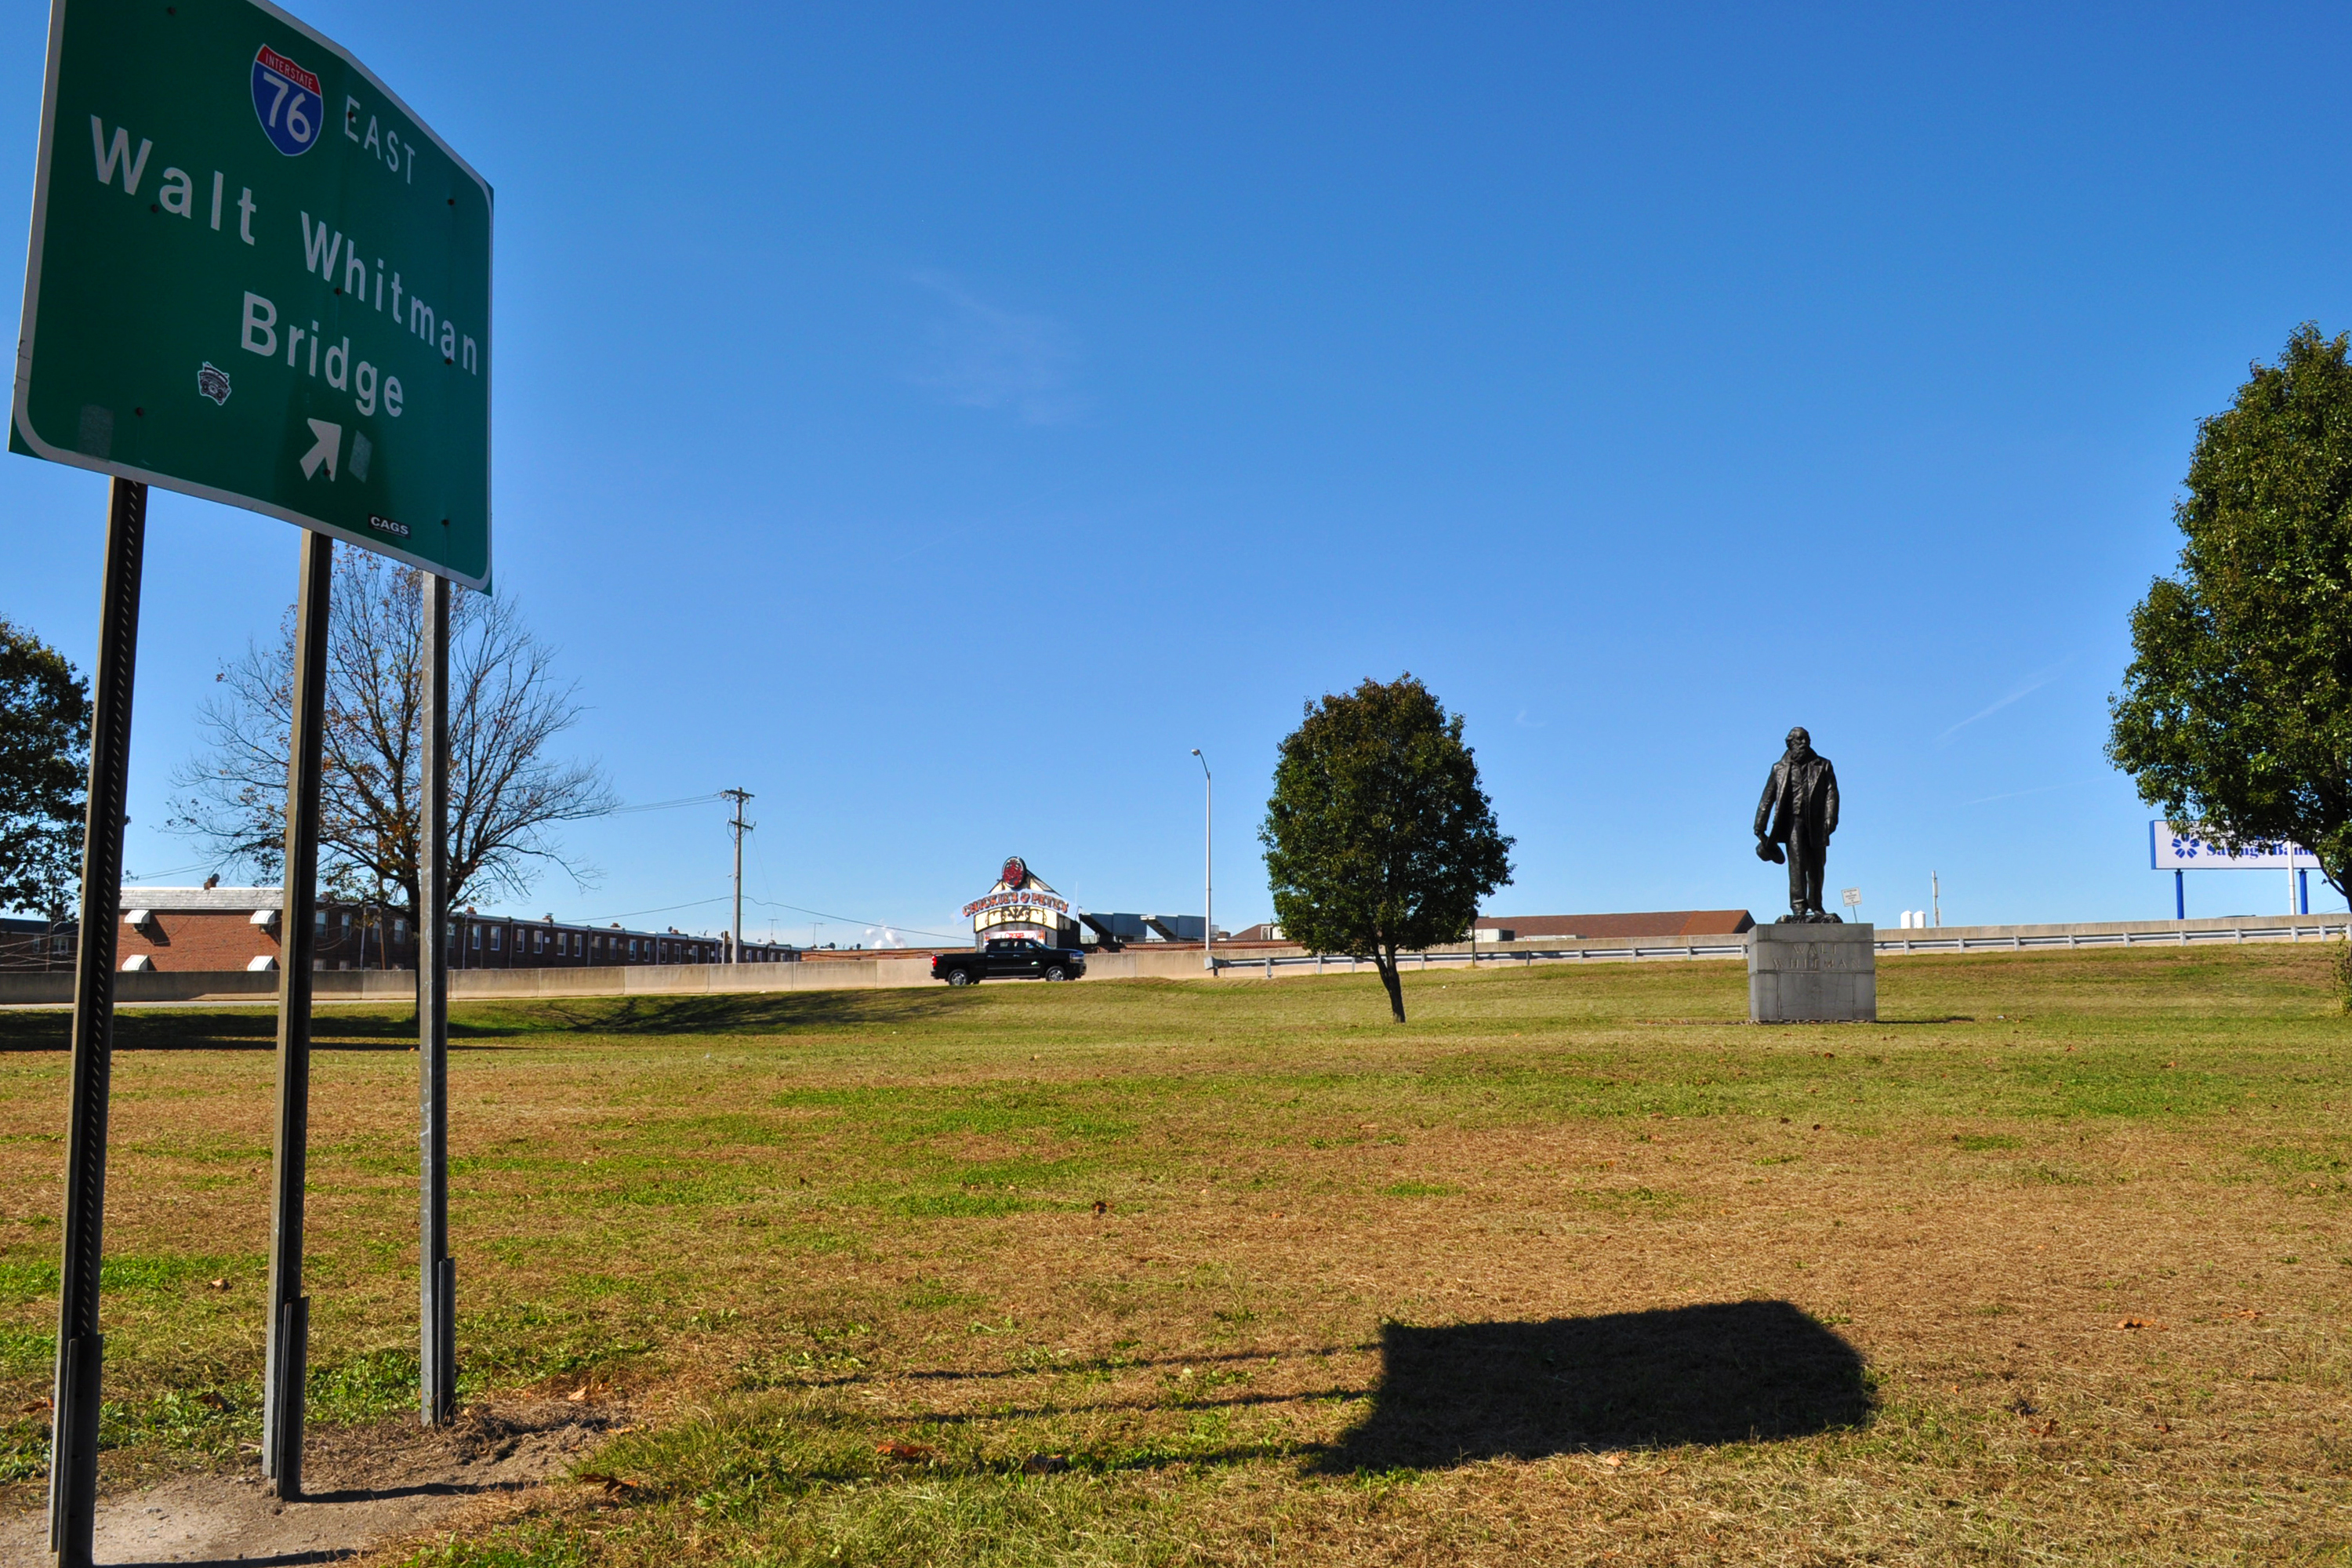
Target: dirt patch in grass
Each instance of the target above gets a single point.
(2052, 1264)
(368, 1488)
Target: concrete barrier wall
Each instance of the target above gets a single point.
(160, 986)
(1137, 963)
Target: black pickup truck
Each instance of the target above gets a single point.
(1018, 958)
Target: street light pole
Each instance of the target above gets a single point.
(1207, 866)
(735, 933)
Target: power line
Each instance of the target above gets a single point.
(747, 828)
(168, 871)
(852, 919)
(665, 909)
(666, 804)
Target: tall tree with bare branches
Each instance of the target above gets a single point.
(507, 705)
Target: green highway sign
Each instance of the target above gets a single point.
(255, 277)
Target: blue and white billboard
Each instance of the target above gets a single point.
(2175, 848)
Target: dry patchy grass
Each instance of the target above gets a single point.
(1576, 1267)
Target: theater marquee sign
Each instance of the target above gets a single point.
(1021, 905)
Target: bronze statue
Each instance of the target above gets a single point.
(1800, 810)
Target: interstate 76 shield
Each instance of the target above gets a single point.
(286, 100)
(259, 278)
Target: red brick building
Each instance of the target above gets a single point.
(36, 944)
(1646, 924)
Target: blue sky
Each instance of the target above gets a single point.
(940, 420)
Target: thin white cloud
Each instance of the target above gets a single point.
(2032, 683)
(1524, 723)
(2038, 789)
(983, 356)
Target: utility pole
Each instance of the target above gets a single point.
(735, 933)
(1936, 898)
(1208, 867)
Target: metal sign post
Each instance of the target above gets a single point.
(73, 1455)
(289, 1310)
(437, 1271)
(257, 277)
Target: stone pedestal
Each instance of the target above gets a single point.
(1812, 974)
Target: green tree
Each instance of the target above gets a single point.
(2236, 711)
(1378, 839)
(43, 768)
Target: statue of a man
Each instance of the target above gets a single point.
(1800, 809)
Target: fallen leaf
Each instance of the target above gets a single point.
(912, 1453)
(1043, 1465)
(2163, 1425)
(2250, 1314)
(614, 1486)
(2138, 1323)
(38, 1407)
(1612, 1460)
(215, 1284)
(211, 1400)
(579, 1394)
(1817, 1127)
(1101, 1207)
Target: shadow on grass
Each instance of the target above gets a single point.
(1725, 1372)
(763, 1014)
(393, 1027)
(198, 1029)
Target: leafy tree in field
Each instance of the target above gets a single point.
(507, 706)
(2236, 711)
(1378, 839)
(44, 769)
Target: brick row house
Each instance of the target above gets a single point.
(238, 928)
(36, 944)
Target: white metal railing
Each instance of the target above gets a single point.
(1896, 944)
(2174, 934)
(1340, 965)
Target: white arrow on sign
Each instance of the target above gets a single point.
(329, 449)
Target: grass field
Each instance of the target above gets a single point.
(1576, 1267)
